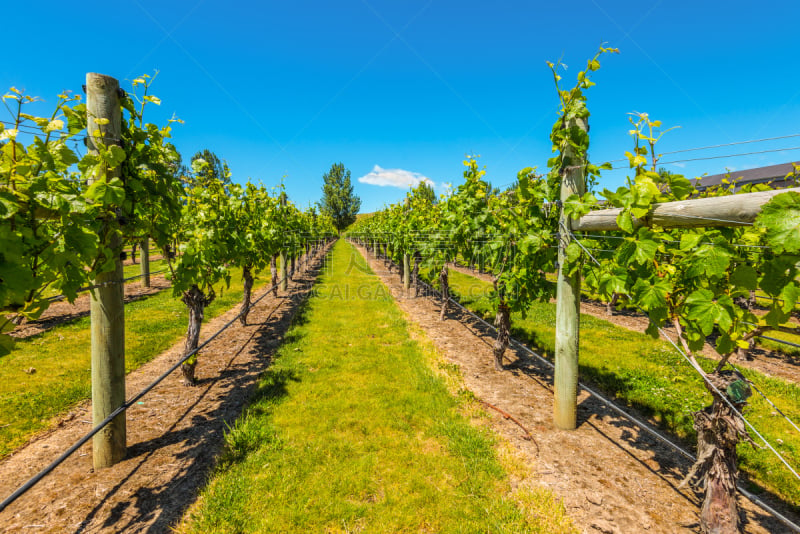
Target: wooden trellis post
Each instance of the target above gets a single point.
(145, 260)
(568, 295)
(107, 305)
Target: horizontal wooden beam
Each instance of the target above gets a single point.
(731, 210)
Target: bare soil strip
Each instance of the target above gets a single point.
(174, 435)
(612, 477)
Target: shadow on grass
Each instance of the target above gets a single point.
(164, 505)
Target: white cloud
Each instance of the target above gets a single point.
(394, 178)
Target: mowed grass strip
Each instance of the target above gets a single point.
(47, 374)
(352, 430)
(651, 376)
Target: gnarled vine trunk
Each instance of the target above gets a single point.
(273, 269)
(133, 253)
(247, 282)
(611, 303)
(502, 321)
(196, 301)
(292, 267)
(716, 471)
(444, 282)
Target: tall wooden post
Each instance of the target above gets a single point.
(146, 262)
(406, 271)
(568, 292)
(284, 271)
(107, 308)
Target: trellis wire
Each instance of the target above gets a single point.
(122, 408)
(89, 288)
(732, 407)
(622, 412)
(697, 368)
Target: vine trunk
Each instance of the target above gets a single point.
(502, 321)
(247, 279)
(273, 269)
(443, 281)
(716, 471)
(196, 301)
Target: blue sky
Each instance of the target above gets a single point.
(401, 91)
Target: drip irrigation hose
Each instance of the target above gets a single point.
(127, 404)
(641, 424)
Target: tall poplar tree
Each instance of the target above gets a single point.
(215, 170)
(338, 199)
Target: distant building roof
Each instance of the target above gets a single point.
(776, 174)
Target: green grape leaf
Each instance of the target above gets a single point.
(776, 316)
(652, 330)
(680, 186)
(573, 252)
(690, 241)
(702, 309)
(106, 192)
(115, 155)
(789, 295)
(625, 221)
(645, 251)
(613, 282)
(777, 273)
(9, 205)
(725, 344)
(709, 261)
(745, 276)
(780, 217)
(651, 296)
(530, 244)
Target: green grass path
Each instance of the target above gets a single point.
(651, 376)
(353, 429)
